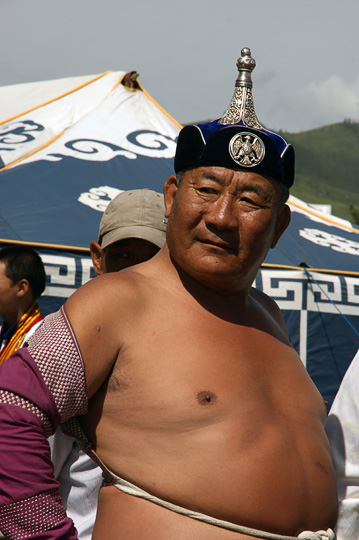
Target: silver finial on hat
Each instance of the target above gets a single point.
(241, 107)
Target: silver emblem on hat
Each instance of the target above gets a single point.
(246, 149)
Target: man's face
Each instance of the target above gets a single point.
(222, 224)
(126, 253)
(8, 296)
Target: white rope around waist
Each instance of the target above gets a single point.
(131, 489)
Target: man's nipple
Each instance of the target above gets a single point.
(206, 398)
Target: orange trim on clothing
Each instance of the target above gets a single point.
(27, 321)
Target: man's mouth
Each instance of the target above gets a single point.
(219, 245)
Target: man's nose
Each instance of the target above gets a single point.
(222, 213)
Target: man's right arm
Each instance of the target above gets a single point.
(42, 385)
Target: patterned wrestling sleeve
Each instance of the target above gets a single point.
(41, 385)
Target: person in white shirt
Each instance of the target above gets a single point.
(343, 433)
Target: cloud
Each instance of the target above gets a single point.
(317, 104)
(331, 98)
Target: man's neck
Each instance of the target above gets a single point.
(221, 301)
(7, 331)
(10, 319)
(15, 316)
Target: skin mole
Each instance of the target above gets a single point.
(321, 466)
(205, 397)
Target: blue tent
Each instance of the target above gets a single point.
(313, 276)
(82, 140)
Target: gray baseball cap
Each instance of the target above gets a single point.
(134, 214)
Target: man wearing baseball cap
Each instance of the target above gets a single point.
(132, 230)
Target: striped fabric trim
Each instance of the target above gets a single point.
(23, 519)
(27, 321)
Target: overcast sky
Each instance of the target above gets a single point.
(185, 51)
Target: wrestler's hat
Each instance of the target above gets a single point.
(138, 213)
(237, 140)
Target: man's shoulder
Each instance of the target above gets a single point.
(263, 299)
(120, 286)
(269, 307)
(102, 313)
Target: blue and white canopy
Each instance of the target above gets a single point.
(67, 155)
(68, 146)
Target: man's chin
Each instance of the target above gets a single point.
(220, 267)
(203, 261)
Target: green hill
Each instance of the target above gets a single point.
(327, 167)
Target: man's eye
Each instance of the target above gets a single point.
(247, 200)
(250, 201)
(207, 190)
(121, 255)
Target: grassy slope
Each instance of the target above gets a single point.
(327, 166)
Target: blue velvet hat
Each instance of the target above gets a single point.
(237, 140)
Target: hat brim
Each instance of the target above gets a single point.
(150, 234)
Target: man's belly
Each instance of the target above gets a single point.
(264, 476)
(124, 516)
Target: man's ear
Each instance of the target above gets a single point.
(23, 287)
(96, 256)
(283, 221)
(170, 189)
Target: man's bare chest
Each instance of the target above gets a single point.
(190, 372)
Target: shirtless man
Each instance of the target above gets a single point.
(131, 231)
(198, 404)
